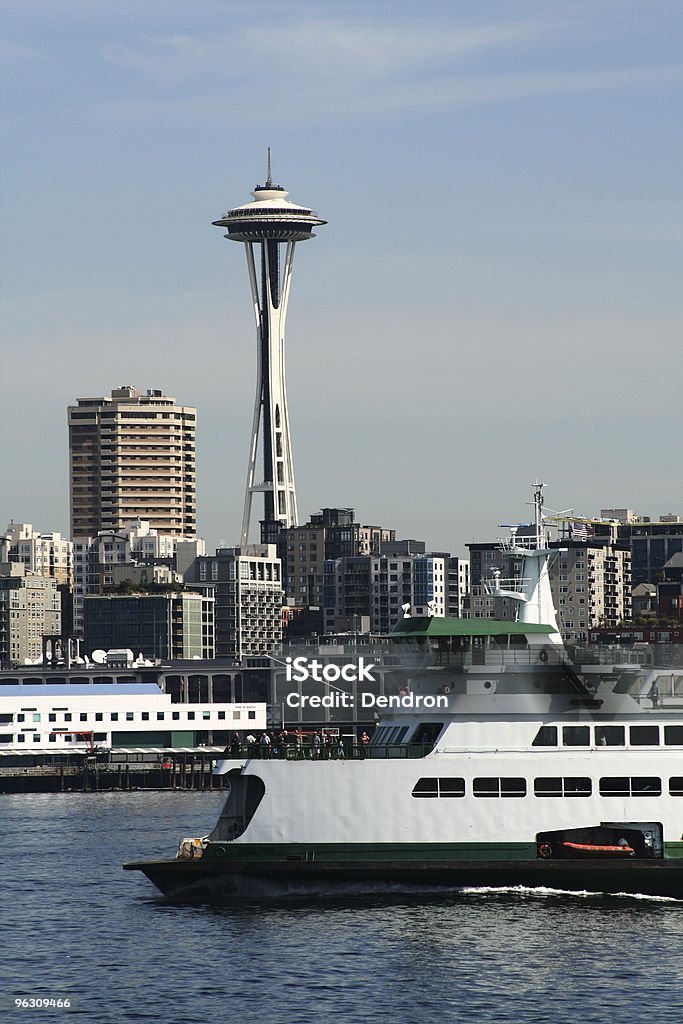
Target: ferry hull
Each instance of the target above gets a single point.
(202, 881)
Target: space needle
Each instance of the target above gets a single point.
(272, 224)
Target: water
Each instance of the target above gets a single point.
(74, 924)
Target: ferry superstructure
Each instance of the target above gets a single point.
(535, 772)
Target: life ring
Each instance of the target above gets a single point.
(543, 656)
(445, 689)
(545, 850)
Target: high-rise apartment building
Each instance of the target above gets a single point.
(380, 588)
(329, 534)
(136, 544)
(48, 554)
(247, 584)
(132, 456)
(29, 611)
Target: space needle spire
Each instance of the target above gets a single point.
(270, 227)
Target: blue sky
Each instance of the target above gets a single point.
(496, 295)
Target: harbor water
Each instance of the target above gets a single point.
(76, 926)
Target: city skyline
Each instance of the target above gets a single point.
(496, 298)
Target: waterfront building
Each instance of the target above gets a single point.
(590, 582)
(383, 588)
(136, 543)
(48, 554)
(177, 707)
(591, 586)
(269, 227)
(670, 590)
(652, 542)
(458, 588)
(173, 624)
(247, 585)
(329, 534)
(29, 610)
(132, 456)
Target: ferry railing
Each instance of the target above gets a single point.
(353, 751)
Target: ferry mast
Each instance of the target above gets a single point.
(267, 226)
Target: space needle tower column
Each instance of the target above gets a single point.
(270, 227)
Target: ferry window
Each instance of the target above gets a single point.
(547, 787)
(99, 717)
(52, 718)
(175, 715)
(676, 785)
(21, 738)
(610, 735)
(67, 717)
(51, 738)
(546, 736)
(426, 788)
(646, 786)
(563, 787)
(580, 786)
(190, 716)
(427, 733)
(206, 714)
(129, 716)
(673, 735)
(145, 716)
(114, 716)
(160, 716)
(487, 787)
(644, 735)
(451, 787)
(638, 786)
(575, 735)
(615, 786)
(36, 738)
(100, 737)
(251, 714)
(83, 716)
(513, 787)
(221, 715)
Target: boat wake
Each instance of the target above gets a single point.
(544, 892)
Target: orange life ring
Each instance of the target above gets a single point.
(545, 850)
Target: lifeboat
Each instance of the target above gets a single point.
(598, 849)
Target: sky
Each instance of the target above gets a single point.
(496, 297)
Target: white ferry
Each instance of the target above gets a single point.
(536, 773)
